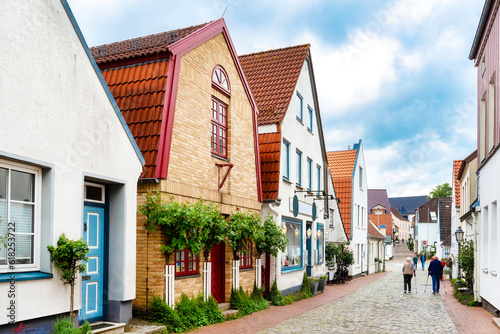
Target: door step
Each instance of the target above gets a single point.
(224, 306)
(104, 327)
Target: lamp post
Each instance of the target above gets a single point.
(459, 236)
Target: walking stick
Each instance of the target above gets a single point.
(425, 289)
(416, 285)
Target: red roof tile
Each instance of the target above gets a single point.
(341, 165)
(272, 76)
(374, 233)
(270, 152)
(385, 219)
(456, 168)
(142, 46)
(139, 92)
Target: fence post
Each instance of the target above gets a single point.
(169, 284)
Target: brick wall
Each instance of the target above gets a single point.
(192, 173)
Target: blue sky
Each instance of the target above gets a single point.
(395, 74)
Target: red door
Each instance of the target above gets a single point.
(218, 261)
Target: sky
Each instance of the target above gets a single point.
(394, 74)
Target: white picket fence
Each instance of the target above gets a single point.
(236, 274)
(207, 280)
(170, 285)
(258, 272)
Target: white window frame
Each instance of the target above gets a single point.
(96, 185)
(35, 266)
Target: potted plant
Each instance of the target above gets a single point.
(313, 282)
(322, 283)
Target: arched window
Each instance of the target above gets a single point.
(220, 80)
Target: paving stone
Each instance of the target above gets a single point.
(380, 307)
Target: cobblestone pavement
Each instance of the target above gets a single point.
(380, 307)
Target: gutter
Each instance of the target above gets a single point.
(480, 29)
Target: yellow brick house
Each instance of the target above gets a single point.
(187, 103)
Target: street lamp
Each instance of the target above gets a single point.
(308, 233)
(459, 235)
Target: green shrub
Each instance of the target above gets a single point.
(306, 287)
(276, 296)
(258, 299)
(162, 313)
(211, 309)
(66, 326)
(234, 300)
(192, 316)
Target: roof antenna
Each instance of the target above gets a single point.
(224, 12)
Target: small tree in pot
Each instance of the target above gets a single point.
(69, 257)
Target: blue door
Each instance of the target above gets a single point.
(93, 277)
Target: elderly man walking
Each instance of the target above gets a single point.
(408, 272)
(436, 272)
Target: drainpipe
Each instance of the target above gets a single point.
(275, 210)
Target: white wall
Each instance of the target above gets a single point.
(55, 111)
(359, 198)
(429, 232)
(310, 144)
(489, 180)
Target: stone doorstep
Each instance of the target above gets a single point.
(229, 312)
(224, 306)
(496, 322)
(108, 327)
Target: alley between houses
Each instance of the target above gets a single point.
(369, 304)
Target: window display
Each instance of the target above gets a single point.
(293, 254)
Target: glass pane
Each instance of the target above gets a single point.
(94, 193)
(177, 256)
(190, 266)
(22, 215)
(3, 183)
(195, 265)
(22, 186)
(183, 256)
(183, 266)
(24, 249)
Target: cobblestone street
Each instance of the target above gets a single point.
(380, 307)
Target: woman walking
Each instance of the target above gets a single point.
(422, 259)
(435, 271)
(415, 261)
(407, 274)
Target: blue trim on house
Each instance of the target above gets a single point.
(301, 107)
(320, 226)
(28, 276)
(287, 176)
(301, 266)
(103, 82)
(310, 126)
(309, 172)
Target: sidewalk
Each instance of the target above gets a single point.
(467, 319)
(277, 314)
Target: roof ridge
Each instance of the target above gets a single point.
(340, 151)
(279, 49)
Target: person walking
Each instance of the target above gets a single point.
(415, 261)
(435, 270)
(422, 259)
(407, 274)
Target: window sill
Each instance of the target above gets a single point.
(287, 180)
(219, 157)
(187, 276)
(298, 119)
(246, 269)
(26, 276)
(285, 270)
(310, 131)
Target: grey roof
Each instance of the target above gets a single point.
(409, 204)
(480, 29)
(378, 197)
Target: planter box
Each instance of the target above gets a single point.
(314, 286)
(321, 285)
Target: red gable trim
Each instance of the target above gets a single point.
(178, 49)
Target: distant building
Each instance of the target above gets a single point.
(349, 178)
(433, 226)
(403, 229)
(406, 206)
(378, 202)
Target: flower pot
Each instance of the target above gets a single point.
(314, 286)
(321, 285)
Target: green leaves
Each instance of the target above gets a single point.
(466, 261)
(337, 253)
(269, 238)
(69, 257)
(241, 227)
(441, 190)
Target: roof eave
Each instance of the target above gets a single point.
(480, 29)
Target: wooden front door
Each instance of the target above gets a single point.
(218, 265)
